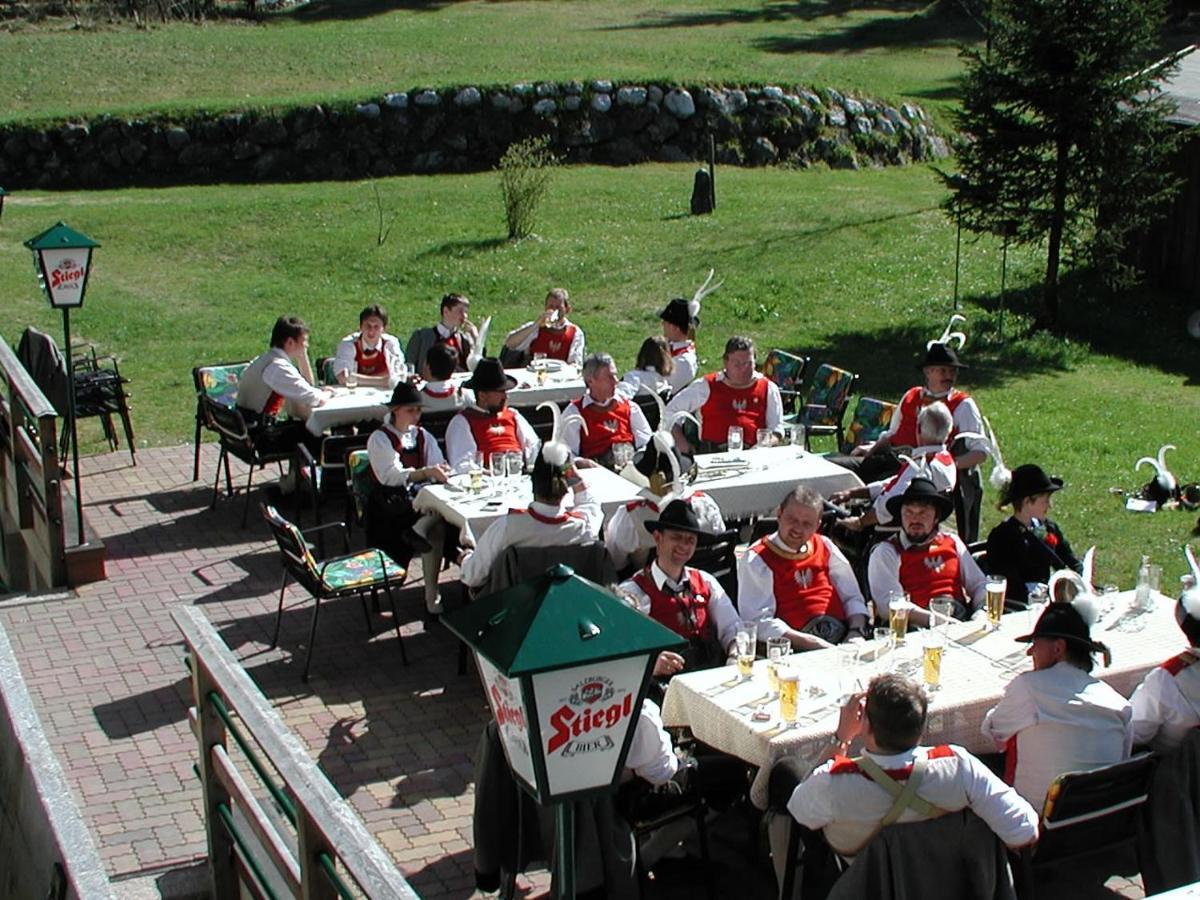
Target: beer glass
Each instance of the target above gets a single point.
(935, 646)
(995, 600)
(941, 612)
(789, 690)
(477, 472)
(898, 610)
(734, 438)
(351, 379)
(763, 437)
(777, 649)
(622, 455)
(745, 640)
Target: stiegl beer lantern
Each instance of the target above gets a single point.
(565, 666)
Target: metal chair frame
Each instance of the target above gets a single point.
(235, 440)
(203, 419)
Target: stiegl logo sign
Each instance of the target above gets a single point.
(573, 729)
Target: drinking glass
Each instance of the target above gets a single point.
(402, 372)
(941, 611)
(996, 588)
(789, 690)
(898, 610)
(745, 641)
(477, 472)
(799, 434)
(622, 455)
(1039, 596)
(539, 367)
(351, 379)
(514, 467)
(935, 646)
(885, 643)
(777, 650)
(764, 437)
(734, 438)
(848, 682)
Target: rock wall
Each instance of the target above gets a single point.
(468, 129)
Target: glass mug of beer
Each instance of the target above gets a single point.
(898, 609)
(777, 649)
(995, 600)
(789, 692)
(734, 438)
(745, 641)
(351, 379)
(934, 647)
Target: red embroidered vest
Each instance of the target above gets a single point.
(930, 570)
(685, 613)
(369, 362)
(273, 406)
(412, 458)
(493, 433)
(801, 582)
(727, 406)
(911, 405)
(460, 346)
(606, 425)
(554, 342)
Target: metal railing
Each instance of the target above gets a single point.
(299, 840)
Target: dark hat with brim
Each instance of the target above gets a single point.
(679, 516)
(921, 490)
(404, 394)
(651, 460)
(1029, 480)
(1063, 620)
(676, 312)
(489, 375)
(939, 354)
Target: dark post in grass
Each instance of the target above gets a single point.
(1009, 228)
(62, 258)
(959, 182)
(3, 194)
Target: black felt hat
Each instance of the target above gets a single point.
(1028, 480)
(489, 375)
(1063, 620)
(679, 516)
(939, 354)
(921, 490)
(404, 394)
(676, 312)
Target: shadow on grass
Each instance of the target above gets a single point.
(463, 248)
(335, 10)
(770, 12)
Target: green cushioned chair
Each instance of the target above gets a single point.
(219, 383)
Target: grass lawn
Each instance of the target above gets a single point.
(853, 268)
(352, 49)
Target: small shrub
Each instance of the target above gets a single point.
(525, 171)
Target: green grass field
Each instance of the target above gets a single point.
(352, 49)
(851, 267)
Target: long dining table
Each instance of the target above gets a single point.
(752, 482)
(719, 707)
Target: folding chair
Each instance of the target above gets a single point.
(236, 440)
(325, 474)
(827, 402)
(218, 382)
(787, 371)
(332, 578)
(100, 393)
(870, 420)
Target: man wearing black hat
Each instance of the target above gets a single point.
(455, 330)
(489, 426)
(551, 333)
(659, 469)
(690, 602)
(923, 561)
(679, 328)
(1058, 718)
(1166, 705)
(404, 456)
(1027, 546)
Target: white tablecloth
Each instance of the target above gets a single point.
(475, 512)
(717, 706)
(347, 407)
(559, 387)
(752, 482)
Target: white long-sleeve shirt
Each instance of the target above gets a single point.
(461, 447)
(1059, 720)
(939, 468)
(636, 380)
(541, 525)
(274, 372)
(651, 755)
(389, 469)
(637, 423)
(1166, 705)
(756, 588)
(684, 355)
(625, 535)
(344, 359)
(695, 395)
(724, 617)
(883, 574)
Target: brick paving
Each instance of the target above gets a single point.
(104, 665)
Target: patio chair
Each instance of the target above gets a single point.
(358, 488)
(218, 382)
(100, 393)
(870, 420)
(827, 401)
(787, 371)
(347, 575)
(719, 560)
(236, 440)
(324, 371)
(325, 475)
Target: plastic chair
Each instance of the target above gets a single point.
(218, 382)
(870, 420)
(1086, 813)
(787, 371)
(236, 440)
(359, 483)
(317, 478)
(324, 371)
(827, 402)
(332, 578)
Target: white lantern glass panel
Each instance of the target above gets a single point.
(64, 272)
(508, 709)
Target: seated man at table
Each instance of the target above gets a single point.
(690, 602)
(850, 800)
(930, 459)
(548, 522)
(658, 469)
(737, 395)
(923, 561)
(439, 391)
(1166, 705)
(371, 353)
(455, 330)
(489, 426)
(797, 584)
(1059, 718)
(551, 334)
(274, 384)
(602, 417)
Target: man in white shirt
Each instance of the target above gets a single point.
(1166, 705)
(456, 330)
(440, 391)
(1059, 718)
(373, 355)
(489, 426)
(797, 584)
(847, 799)
(602, 417)
(551, 334)
(679, 328)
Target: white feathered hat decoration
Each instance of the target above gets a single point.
(949, 334)
(701, 292)
(1164, 486)
(554, 451)
(663, 442)
(1082, 586)
(1001, 476)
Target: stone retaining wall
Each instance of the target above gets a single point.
(468, 129)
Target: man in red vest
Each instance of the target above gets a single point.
(455, 329)
(690, 602)
(371, 353)
(923, 561)
(489, 426)
(609, 417)
(797, 584)
(737, 395)
(551, 333)
(1166, 705)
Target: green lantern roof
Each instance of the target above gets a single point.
(555, 621)
(58, 237)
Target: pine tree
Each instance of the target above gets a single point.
(1064, 133)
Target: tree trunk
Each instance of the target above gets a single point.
(1049, 314)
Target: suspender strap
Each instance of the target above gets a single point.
(905, 796)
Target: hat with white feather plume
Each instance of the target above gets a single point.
(685, 314)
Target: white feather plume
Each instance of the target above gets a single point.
(1086, 606)
(1191, 597)
(948, 334)
(1162, 474)
(1089, 568)
(701, 292)
(1076, 585)
(554, 451)
(1001, 476)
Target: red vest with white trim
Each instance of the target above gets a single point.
(911, 405)
(548, 520)
(369, 362)
(412, 457)
(727, 406)
(930, 570)
(273, 406)
(942, 457)
(494, 433)
(554, 342)
(843, 765)
(801, 582)
(685, 613)
(606, 425)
